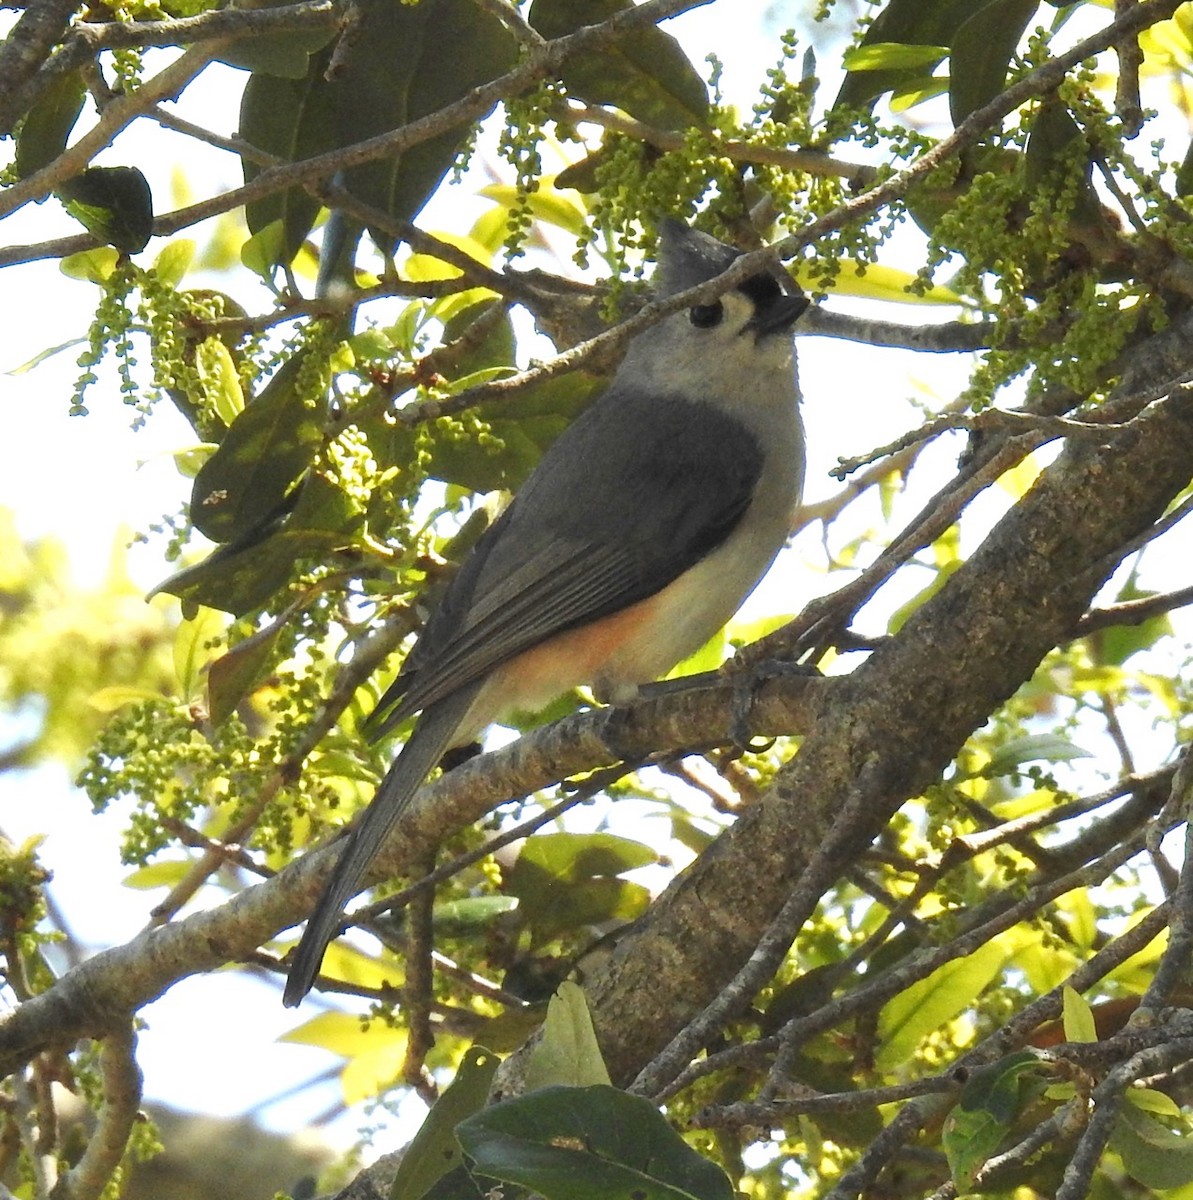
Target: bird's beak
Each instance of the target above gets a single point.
(778, 316)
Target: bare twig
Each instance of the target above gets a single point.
(1133, 612)
(811, 162)
(1126, 89)
(418, 991)
(117, 1116)
(1174, 963)
(514, 21)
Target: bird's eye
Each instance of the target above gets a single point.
(705, 316)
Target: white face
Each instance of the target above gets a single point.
(709, 353)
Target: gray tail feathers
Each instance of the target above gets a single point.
(432, 735)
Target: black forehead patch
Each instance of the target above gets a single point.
(761, 290)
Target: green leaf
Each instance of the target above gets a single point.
(95, 266)
(287, 54)
(594, 1143)
(576, 856)
(886, 56)
(903, 23)
(927, 1004)
(283, 117)
(876, 281)
(434, 1151)
(240, 579)
(234, 674)
(1153, 1154)
(191, 649)
(1114, 645)
(644, 72)
(163, 873)
(471, 914)
(268, 247)
(247, 482)
(1078, 1019)
(82, 260)
(114, 203)
(567, 1052)
(1032, 747)
(1149, 1100)
(987, 1108)
(220, 379)
(545, 205)
(981, 53)
(567, 880)
(47, 125)
(174, 260)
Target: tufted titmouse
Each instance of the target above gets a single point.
(635, 539)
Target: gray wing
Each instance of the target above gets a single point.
(581, 541)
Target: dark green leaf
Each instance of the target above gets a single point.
(594, 1143)
(247, 482)
(1056, 157)
(287, 54)
(43, 133)
(433, 1151)
(987, 1108)
(1053, 134)
(478, 47)
(525, 425)
(1032, 747)
(114, 203)
(1184, 174)
(241, 579)
(981, 53)
(1158, 1157)
(644, 73)
(286, 118)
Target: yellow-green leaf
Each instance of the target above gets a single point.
(567, 1053)
(926, 1005)
(1078, 1021)
(874, 281)
(174, 260)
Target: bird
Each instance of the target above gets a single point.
(633, 541)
